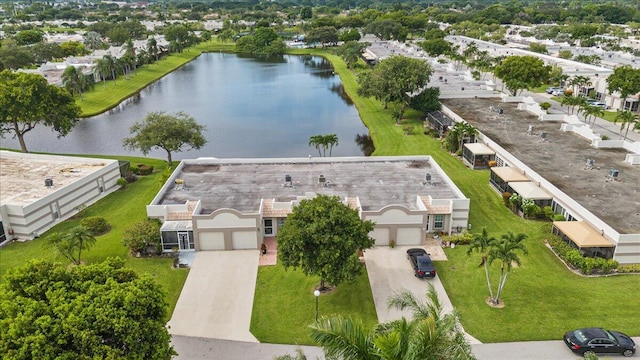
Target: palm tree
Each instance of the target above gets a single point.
(299, 356)
(152, 47)
(72, 80)
(481, 243)
(317, 141)
(112, 66)
(129, 48)
(92, 40)
(429, 335)
(102, 69)
(591, 111)
(505, 250)
(628, 120)
(331, 140)
(82, 238)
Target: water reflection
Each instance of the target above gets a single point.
(250, 107)
(365, 143)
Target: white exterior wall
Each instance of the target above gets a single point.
(226, 229)
(396, 222)
(210, 240)
(30, 221)
(244, 240)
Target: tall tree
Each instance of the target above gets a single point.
(72, 80)
(168, 132)
(152, 47)
(522, 72)
(71, 244)
(92, 40)
(481, 243)
(505, 250)
(331, 140)
(395, 79)
(591, 112)
(351, 51)
(98, 311)
(627, 120)
(26, 101)
(625, 80)
(430, 335)
(321, 237)
(317, 141)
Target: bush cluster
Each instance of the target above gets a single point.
(460, 239)
(586, 265)
(631, 268)
(142, 169)
(95, 224)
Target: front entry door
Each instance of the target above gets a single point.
(183, 239)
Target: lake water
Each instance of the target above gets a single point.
(250, 107)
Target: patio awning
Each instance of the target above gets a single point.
(529, 190)
(177, 226)
(583, 235)
(509, 174)
(479, 149)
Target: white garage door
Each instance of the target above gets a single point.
(409, 236)
(381, 236)
(211, 240)
(244, 240)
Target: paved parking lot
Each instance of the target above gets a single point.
(217, 299)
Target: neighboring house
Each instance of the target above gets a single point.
(228, 204)
(39, 191)
(592, 183)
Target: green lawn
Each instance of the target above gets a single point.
(284, 305)
(108, 94)
(120, 209)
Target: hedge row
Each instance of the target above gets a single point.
(586, 265)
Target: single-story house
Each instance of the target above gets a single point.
(228, 204)
(39, 191)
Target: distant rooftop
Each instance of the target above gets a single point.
(241, 183)
(561, 159)
(22, 175)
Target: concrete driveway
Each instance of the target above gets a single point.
(390, 272)
(217, 298)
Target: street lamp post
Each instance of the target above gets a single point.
(316, 293)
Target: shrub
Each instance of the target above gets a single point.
(576, 260)
(131, 177)
(492, 163)
(95, 224)
(145, 169)
(505, 197)
(631, 268)
(459, 239)
(548, 212)
(142, 235)
(604, 137)
(408, 129)
(545, 106)
(558, 217)
(122, 182)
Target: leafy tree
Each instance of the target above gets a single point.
(522, 72)
(351, 51)
(168, 132)
(15, 57)
(350, 35)
(152, 48)
(625, 80)
(505, 250)
(538, 48)
(387, 29)
(44, 52)
(118, 35)
(306, 13)
(98, 311)
(431, 335)
(263, 42)
(428, 100)
(26, 101)
(28, 37)
(71, 244)
(321, 237)
(139, 236)
(394, 78)
(73, 48)
(324, 35)
(436, 47)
